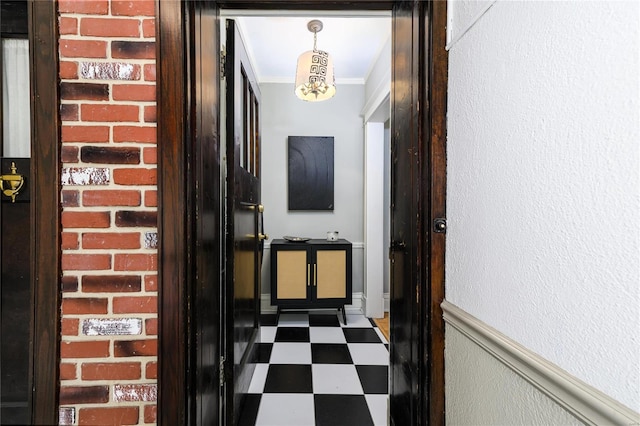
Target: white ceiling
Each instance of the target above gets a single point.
(274, 43)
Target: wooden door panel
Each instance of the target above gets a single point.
(242, 291)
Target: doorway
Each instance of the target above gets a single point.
(417, 250)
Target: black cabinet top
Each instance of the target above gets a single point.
(318, 241)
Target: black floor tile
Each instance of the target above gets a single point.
(249, 410)
(262, 353)
(292, 334)
(319, 320)
(288, 378)
(361, 335)
(269, 319)
(332, 410)
(330, 353)
(374, 378)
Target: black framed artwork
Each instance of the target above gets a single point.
(310, 172)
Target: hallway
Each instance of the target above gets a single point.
(313, 370)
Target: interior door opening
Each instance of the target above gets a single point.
(373, 148)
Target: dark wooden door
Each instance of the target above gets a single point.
(15, 215)
(244, 237)
(408, 192)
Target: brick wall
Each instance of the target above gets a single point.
(109, 257)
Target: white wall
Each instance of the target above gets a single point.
(543, 184)
(284, 115)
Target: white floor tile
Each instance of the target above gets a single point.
(294, 320)
(286, 410)
(259, 378)
(384, 339)
(336, 379)
(357, 320)
(291, 353)
(369, 354)
(268, 334)
(326, 335)
(379, 408)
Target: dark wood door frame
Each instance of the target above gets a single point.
(180, 182)
(46, 210)
(44, 351)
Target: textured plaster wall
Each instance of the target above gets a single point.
(483, 391)
(543, 186)
(284, 115)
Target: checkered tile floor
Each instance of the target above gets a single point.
(312, 370)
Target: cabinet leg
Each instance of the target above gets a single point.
(344, 315)
(278, 316)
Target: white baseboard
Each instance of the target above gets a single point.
(583, 401)
(356, 306)
(387, 303)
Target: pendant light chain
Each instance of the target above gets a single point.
(315, 41)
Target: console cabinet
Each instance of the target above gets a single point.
(311, 275)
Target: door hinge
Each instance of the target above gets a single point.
(223, 376)
(223, 63)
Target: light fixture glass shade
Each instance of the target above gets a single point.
(314, 76)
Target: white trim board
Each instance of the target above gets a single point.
(583, 401)
(354, 308)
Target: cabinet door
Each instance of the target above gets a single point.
(293, 274)
(331, 274)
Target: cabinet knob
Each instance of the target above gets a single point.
(262, 236)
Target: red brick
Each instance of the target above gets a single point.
(83, 394)
(151, 283)
(69, 112)
(111, 283)
(112, 197)
(126, 348)
(92, 112)
(111, 240)
(133, 49)
(108, 416)
(69, 283)
(150, 155)
(150, 114)
(68, 25)
(85, 219)
(84, 91)
(68, 371)
(86, 262)
(150, 413)
(151, 198)
(151, 326)
(148, 28)
(93, 349)
(69, 154)
(68, 70)
(134, 134)
(133, 8)
(85, 134)
(135, 176)
(70, 241)
(110, 27)
(111, 371)
(134, 92)
(84, 305)
(135, 262)
(93, 7)
(135, 305)
(70, 198)
(150, 72)
(151, 370)
(83, 48)
(70, 326)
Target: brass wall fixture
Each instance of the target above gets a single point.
(15, 181)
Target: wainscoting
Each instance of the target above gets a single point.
(491, 379)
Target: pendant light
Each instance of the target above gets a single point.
(314, 75)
